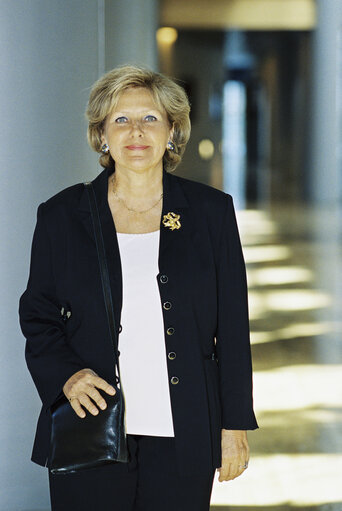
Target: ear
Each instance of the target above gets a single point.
(103, 139)
(172, 132)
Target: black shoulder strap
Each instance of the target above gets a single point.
(103, 270)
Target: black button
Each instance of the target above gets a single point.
(170, 330)
(167, 305)
(172, 355)
(120, 329)
(163, 279)
(174, 380)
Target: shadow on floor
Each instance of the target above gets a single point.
(309, 433)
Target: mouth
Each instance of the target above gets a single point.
(136, 147)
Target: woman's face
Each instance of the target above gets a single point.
(137, 132)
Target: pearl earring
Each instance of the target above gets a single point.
(105, 148)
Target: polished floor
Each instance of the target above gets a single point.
(293, 257)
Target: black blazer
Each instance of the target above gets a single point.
(205, 285)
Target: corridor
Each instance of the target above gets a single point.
(294, 277)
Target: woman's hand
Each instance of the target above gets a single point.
(81, 386)
(235, 454)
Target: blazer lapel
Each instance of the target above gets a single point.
(171, 242)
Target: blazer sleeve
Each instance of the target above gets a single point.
(232, 336)
(49, 359)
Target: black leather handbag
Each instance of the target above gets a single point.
(76, 443)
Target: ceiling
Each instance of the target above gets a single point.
(239, 14)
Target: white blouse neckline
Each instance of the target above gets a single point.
(137, 233)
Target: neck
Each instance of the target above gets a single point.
(135, 184)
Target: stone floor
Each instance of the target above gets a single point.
(293, 258)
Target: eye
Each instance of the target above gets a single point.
(150, 118)
(121, 120)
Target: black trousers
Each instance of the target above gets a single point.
(148, 482)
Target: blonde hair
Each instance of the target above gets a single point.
(166, 93)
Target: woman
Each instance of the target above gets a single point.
(179, 289)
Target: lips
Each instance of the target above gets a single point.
(136, 147)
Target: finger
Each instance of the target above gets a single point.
(236, 471)
(228, 476)
(230, 471)
(75, 404)
(224, 472)
(96, 396)
(103, 385)
(88, 404)
(239, 468)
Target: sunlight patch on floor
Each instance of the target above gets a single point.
(279, 275)
(261, 303)
(256, 223)
(307, 330)
(309, 479)
(297, 387)
(266, 253)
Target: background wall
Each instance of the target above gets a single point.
(51, 53)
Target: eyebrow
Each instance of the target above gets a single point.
(140, 111)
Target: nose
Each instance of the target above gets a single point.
(137, 126)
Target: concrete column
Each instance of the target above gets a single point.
(51, 53)
(49, 58)
(325, 168)
(130, 35)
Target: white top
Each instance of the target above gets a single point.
(143, 365)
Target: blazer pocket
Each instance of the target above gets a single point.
(213, 389)
(214, 408)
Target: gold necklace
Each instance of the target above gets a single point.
(130, 209)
